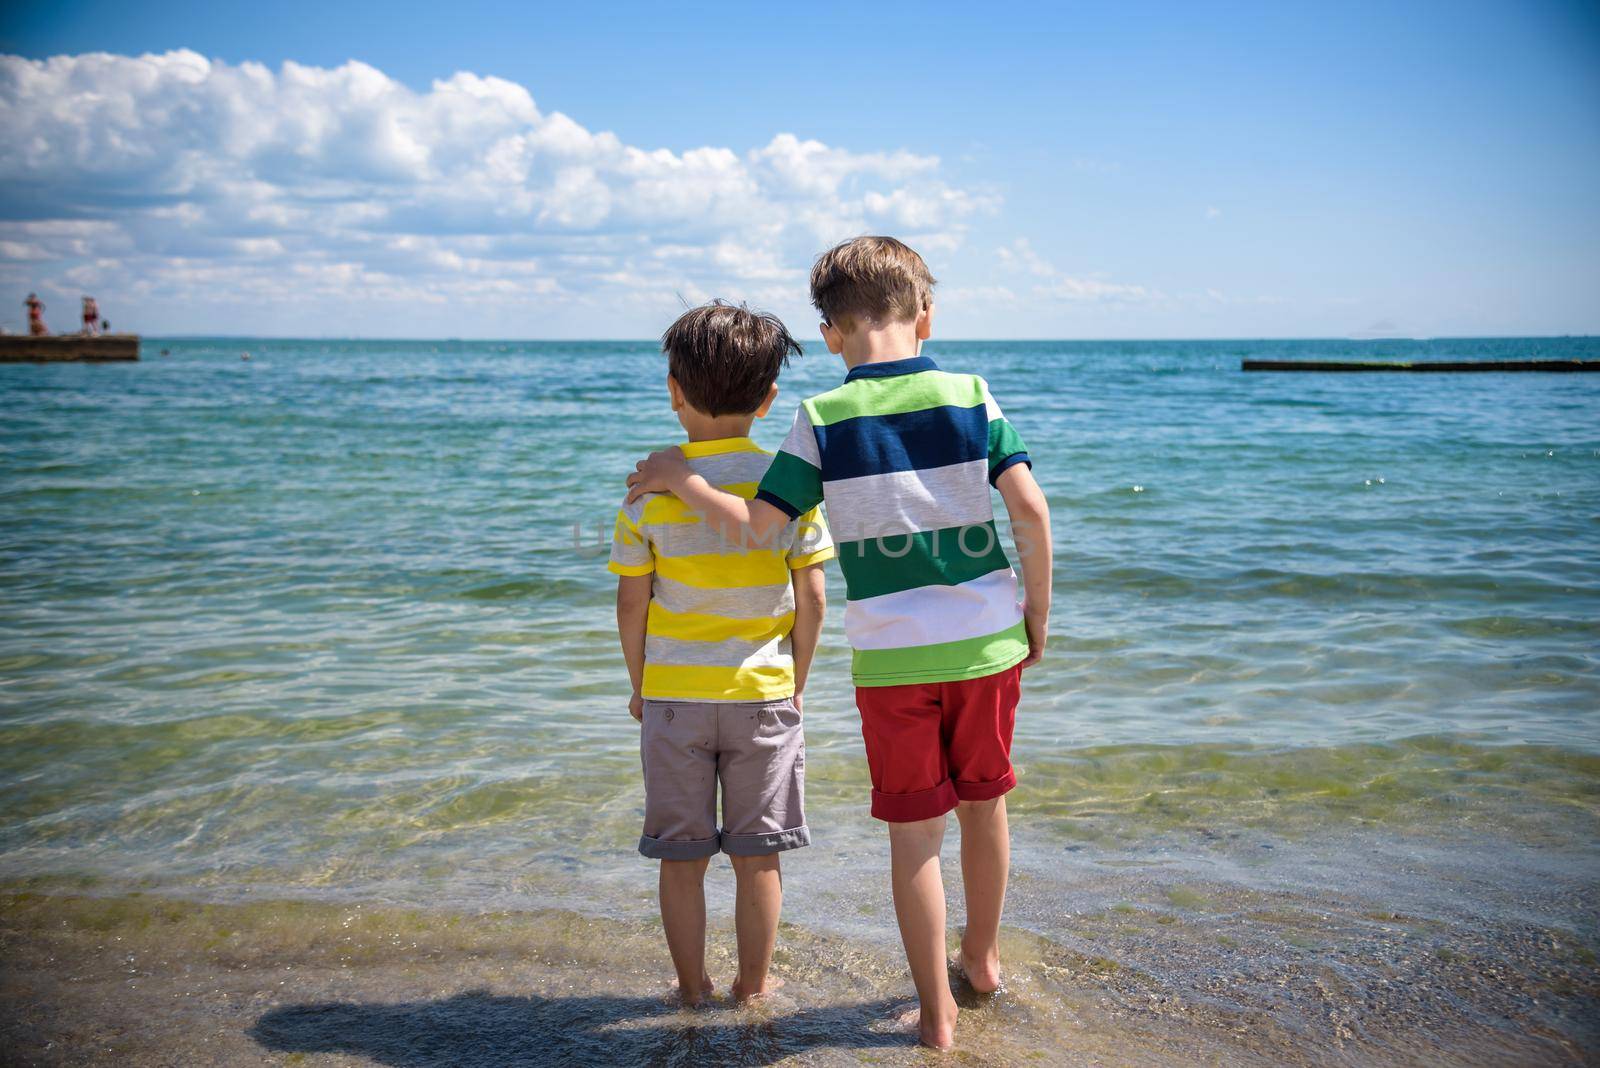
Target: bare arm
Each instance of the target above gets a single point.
(633, 610)
(810, 604)
(1030, 530)
(742, 522)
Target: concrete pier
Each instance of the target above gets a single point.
(68, 348)
(1438, 365)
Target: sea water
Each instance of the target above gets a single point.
(333, 622)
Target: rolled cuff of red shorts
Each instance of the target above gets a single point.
(908, 808)
(986, 791)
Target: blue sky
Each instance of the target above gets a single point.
(1163, 170)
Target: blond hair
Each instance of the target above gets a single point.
(874, 278)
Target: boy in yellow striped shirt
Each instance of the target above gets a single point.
(718, 639)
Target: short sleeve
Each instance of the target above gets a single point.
(1005, 444)
(793, 482)
(630, 549)
(812, 543)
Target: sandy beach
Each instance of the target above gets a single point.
(148, 979)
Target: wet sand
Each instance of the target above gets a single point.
(150, 979)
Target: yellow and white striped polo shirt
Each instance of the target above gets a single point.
(720, 614)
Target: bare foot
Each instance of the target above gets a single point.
(935, 1034)
(755, 992)
(982, 974)
(691, 999)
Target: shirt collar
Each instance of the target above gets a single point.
(717, 446)
(885, 368)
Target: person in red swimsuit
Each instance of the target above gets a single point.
(91, 316)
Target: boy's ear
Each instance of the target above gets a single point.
(832, 337)
(766, 405)
(675, 391)
(925, 322)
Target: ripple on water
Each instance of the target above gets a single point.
(318, 623)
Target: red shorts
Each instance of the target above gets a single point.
(931, 744)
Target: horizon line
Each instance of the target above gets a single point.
(962, 340)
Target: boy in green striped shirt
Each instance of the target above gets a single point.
(903, 455)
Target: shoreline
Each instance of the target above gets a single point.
(1211, 974)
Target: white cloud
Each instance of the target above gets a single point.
(812, 169)
(1053, 284)
(1020, 254)
(1213, 212)
(173, 177)
(973, 296)
(1093, 289)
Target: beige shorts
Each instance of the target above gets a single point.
(756, 749)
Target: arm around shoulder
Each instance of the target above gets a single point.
(739, 520)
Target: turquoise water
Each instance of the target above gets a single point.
(335, 620)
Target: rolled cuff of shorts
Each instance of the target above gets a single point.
(986, 791)
(909, 808)
(677, 849)
(760, 845)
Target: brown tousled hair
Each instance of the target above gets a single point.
(725, 357)
(874, 278)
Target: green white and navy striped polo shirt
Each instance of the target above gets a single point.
(903, 454)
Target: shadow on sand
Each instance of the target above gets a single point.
(479, 1028)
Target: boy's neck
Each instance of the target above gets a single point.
(871, 343)
(702, 427)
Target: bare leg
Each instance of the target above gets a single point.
(985, 862)
(683, 917)
(758, 899)
(919, 906)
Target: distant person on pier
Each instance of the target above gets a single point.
(36, 325)
(91, 316)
